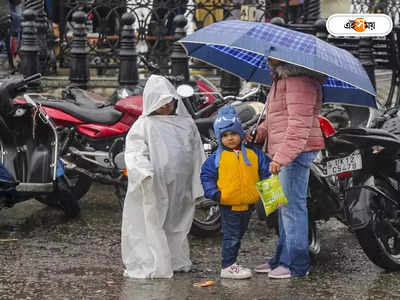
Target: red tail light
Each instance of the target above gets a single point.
(345, 175)
(326, 126)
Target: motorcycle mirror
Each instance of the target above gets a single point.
(185, 91)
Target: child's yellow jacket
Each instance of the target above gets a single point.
(233, 178)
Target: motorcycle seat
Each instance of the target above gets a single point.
(83, 98)
(105, 115)
(368, 131)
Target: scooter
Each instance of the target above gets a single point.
(30, 166)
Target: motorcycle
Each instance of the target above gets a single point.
(92, 134)
(356, 179)
(30, 166)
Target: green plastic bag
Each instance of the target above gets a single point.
(271, 193)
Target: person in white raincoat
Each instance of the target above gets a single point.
(163, 154)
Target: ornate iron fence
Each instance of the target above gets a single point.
(153, 23)
(154, 27)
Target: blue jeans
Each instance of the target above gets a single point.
(292, 249)
(16, 17)
(234, 225)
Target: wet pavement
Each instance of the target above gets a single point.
(45, 256)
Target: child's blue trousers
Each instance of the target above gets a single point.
(234, 226)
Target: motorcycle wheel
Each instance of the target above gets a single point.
(78, 182)
(63, 197)
(314, 242)
(207, 218)
(381, 245)
(120, 192)
(379, 239)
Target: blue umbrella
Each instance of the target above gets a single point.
(242, 48)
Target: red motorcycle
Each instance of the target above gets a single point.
(92, 134)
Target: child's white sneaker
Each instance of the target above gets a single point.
(236, 271)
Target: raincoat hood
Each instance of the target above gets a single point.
(159, 91)
(284, 70)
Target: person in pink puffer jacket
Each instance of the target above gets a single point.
(292, 138)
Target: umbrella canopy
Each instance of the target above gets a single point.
(242, 48)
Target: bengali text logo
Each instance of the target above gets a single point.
(359, 25)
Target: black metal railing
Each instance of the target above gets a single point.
(153, 25)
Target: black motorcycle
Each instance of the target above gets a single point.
(29, 160)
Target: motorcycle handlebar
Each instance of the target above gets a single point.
(155, 70)
(9, 90)
(217, 103)
(25, 81)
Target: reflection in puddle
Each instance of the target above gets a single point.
(157, 289)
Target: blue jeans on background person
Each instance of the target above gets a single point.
(16, 18)
(234, 225)
(292, 249)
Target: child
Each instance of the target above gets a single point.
(229, 176)
(163, 155)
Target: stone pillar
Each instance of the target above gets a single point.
(29, 46)
(128, 72)
(79, 66)
(42, 32)
(320, 29)
(312, 11)
(179, 59)
(366, 57)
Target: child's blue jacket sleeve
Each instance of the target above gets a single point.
(263, 164)
(209, 177)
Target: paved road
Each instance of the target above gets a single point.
(45, 256)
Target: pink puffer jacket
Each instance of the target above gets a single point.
(292, 126)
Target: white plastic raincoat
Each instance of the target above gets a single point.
(163, 155)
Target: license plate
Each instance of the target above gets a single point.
(346, 164)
